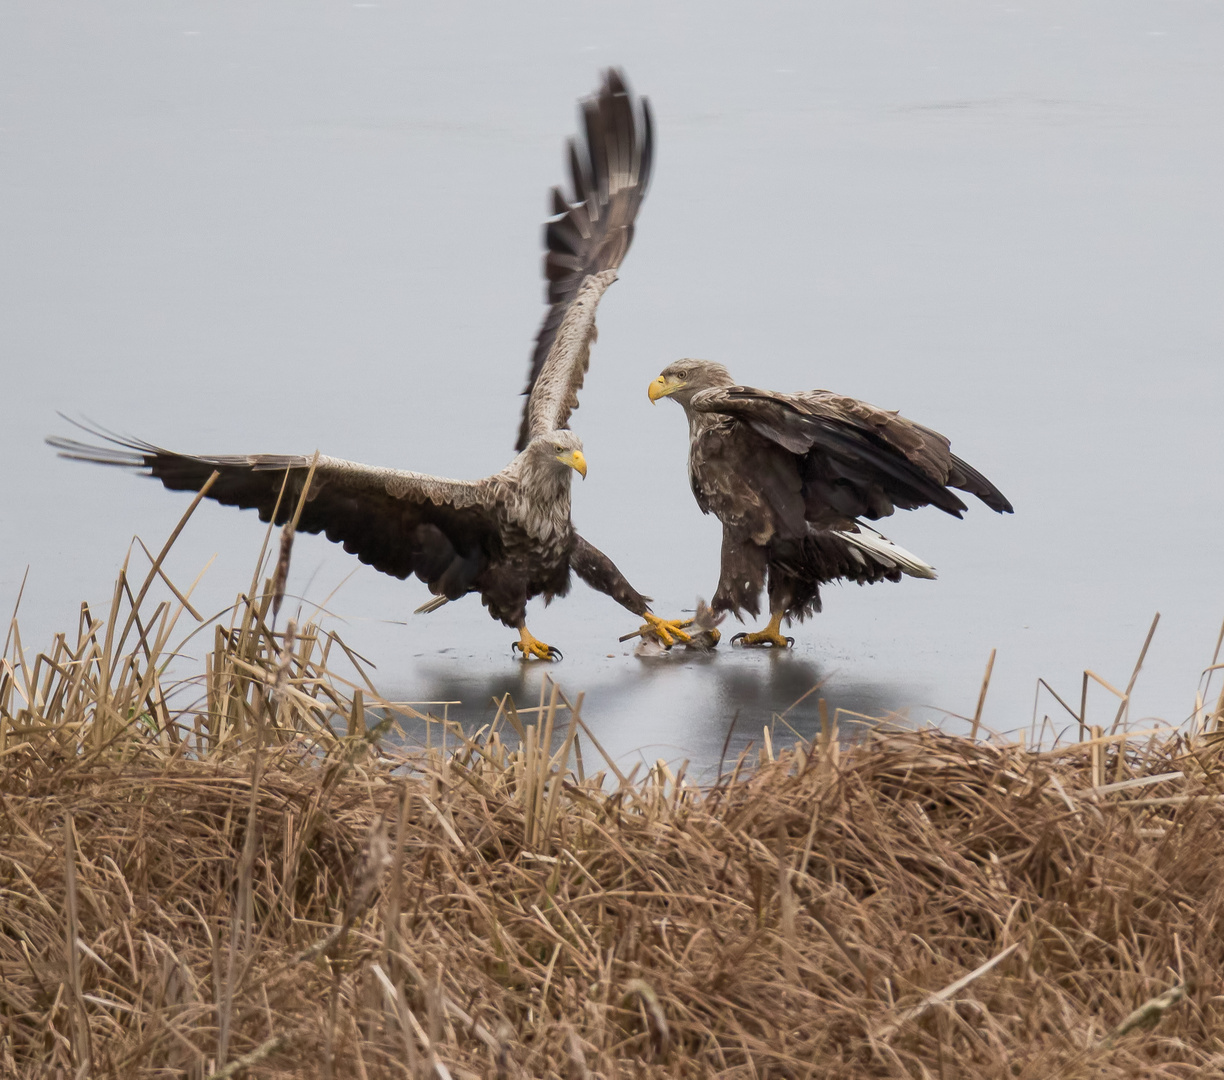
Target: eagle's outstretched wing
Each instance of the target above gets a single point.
(586, 241)
(444, 531)
(863, 460)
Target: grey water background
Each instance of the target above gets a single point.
(228, 227)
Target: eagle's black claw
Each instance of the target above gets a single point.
(762, 638)
(533, 648)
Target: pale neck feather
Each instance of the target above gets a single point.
(540, 495)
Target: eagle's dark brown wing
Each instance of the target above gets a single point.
(964, 477)
(586, 241)
(444, 531)
(858, 460)
(924, 446)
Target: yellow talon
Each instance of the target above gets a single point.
(668, 631)
(771, 635)
(532, 647)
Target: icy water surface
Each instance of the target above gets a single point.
(233, 227)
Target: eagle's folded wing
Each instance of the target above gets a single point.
(586, 242)
(857, 446)
(924, 446)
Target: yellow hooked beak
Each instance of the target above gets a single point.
(575, 460)
(661, 387)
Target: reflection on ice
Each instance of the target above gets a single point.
(646, 710)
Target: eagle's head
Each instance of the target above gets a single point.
(554, 453)
(684, 378)
(542, 505)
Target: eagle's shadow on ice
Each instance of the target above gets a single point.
(672, 710)
(778, 691)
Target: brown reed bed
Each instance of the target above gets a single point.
(233, 875)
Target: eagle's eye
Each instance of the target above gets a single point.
(682, 376)
(560, 449)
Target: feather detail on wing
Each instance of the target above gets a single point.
(444, 531)
(882, 550)
(924, 446)
(964, 477)
(431, 605)
(586, 242)
(857, 452)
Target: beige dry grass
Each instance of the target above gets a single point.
(248, 882)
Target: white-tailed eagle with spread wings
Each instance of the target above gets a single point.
(507, 537)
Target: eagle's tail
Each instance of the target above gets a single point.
(880, 548)
(432, 604)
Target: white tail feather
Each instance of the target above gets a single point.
(432, 604)
(884, 550)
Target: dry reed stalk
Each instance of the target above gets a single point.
(887, 1031)
(1146, 1016)
(981, 702)
(80, 1023)
(280, 577)
(1124, 704)
(239, 1066)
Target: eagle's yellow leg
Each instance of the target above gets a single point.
(771, 635)
(532, 647)
(668, 631)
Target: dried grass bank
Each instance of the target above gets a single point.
(232, 876)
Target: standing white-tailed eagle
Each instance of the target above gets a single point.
(507, 537)
(790, 475)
